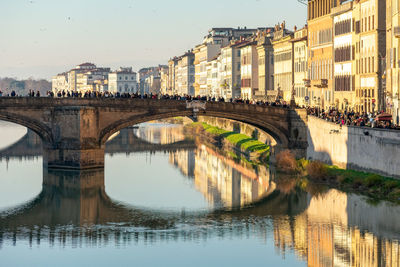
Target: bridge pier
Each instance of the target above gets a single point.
(73, 159)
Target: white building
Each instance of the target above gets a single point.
(213, 78)
(122, 81)
(185, 75)
(302, 95)
(249, 69)
(59, 83)
(344, 56)
(230, 75)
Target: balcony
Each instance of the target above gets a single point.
(396, 31)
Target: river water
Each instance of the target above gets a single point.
(164, 199)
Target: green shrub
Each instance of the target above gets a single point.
(373, 180)
(302, 163)
(342, 179)
(389, 185)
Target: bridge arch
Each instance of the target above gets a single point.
(40, 129)
(280, 135)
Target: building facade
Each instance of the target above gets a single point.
(185, 75)
(172, 63)
(59, 83)
(122, 81)
(230, 71)
(249, 69)
(213, 78)
(393, 59)
(300, 58)
(204, 53)
(370, 55)
(344, 41)
(164, 81)
(320, 54)
(283, 62)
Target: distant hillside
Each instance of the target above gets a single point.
(22, 87)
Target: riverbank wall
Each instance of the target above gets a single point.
(357, 148)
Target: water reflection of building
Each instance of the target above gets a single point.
(160, 135)
(329, 232)
(222, 181)
(184, 160)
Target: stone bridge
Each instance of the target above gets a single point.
(74, 131)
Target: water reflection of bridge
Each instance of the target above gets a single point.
(329, 229)
(73, 208)
(30, 146)
(78, 199)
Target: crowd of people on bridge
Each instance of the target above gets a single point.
(351, 118)
(95, 94)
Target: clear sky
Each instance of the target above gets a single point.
(40, 38)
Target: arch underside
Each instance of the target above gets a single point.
(280, 136)
(41, 130)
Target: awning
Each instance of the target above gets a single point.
(384, 117)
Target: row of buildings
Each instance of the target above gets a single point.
(345, 57)
(88, 77)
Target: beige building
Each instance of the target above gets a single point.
(230, 71)
(72, 74)
(84, 77)
(210, 48)
(283, 62)
(300, 58)
(265, 54)
(184, 74)
(204, 53)
(91, 80)
(59, 83)
(370, 55)
(249, 69)
(164, 80)
(172, 66)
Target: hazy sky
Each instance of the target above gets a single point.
(41, 38)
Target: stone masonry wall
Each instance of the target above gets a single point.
(367, 149)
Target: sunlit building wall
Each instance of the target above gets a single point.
(283, 62)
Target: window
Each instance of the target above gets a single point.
(373, 64)
(373, 22)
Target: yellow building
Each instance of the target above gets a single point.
(370, 55)
(320, 54)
